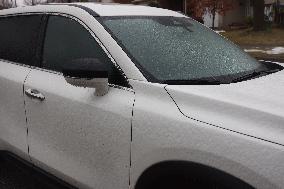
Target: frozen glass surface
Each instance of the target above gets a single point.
(170, 48)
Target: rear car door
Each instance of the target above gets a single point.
(77, 136)
(18, 38)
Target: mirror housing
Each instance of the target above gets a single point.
(89, 73)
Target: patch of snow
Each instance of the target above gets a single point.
(276, 50)
(220, 31)
(255, 50)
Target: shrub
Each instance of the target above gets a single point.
(249, 21)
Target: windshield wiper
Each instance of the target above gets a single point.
(193, 82)
(254, 74)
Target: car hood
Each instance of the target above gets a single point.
(254, 107)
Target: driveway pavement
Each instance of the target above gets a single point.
(14, 175)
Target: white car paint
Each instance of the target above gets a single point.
(13, 134)
(254, 107)
(77, 135)
(177, 137)
(86, 140)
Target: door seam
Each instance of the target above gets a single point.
(27, 128)
(131, 139)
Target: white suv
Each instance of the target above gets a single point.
(118, 96)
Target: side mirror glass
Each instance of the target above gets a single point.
(89, 73)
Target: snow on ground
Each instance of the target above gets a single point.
(220, 31)
(276, 50)
(255, 50)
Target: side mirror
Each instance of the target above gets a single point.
(89, 73)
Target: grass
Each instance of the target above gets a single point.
(247, 38)
(271, 57)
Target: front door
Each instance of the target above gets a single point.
(79, 137)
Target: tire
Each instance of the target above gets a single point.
(185, 175)
(182, 182)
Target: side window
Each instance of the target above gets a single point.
(18, 38)
(67, 40)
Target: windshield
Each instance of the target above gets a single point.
(172, 49)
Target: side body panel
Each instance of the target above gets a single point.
(79, 137)
(13, 129)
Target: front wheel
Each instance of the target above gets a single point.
(185, 175)
(183, 182)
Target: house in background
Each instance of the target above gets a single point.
(232, 17)
(238, 16)
(274, 10)
(176, 5)
(243, 11)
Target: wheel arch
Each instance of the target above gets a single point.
(188, 169)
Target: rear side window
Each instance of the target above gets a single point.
(18, 38)
(67, 40)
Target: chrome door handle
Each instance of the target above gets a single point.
(33, 93)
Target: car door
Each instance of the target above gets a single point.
(18, 37)
(74, 134)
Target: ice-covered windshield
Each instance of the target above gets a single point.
(178, 49)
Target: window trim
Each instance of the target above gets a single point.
(92, 35)
(40, 42)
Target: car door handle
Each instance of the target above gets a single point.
(33, 93)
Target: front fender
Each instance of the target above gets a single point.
(161, 133)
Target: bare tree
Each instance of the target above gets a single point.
(13, 3)
(8, 3)
(34, 2)
(212, 7)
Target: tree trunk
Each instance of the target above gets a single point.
(258, 15)
(214, 14)
(213, 19)
(276, 8)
